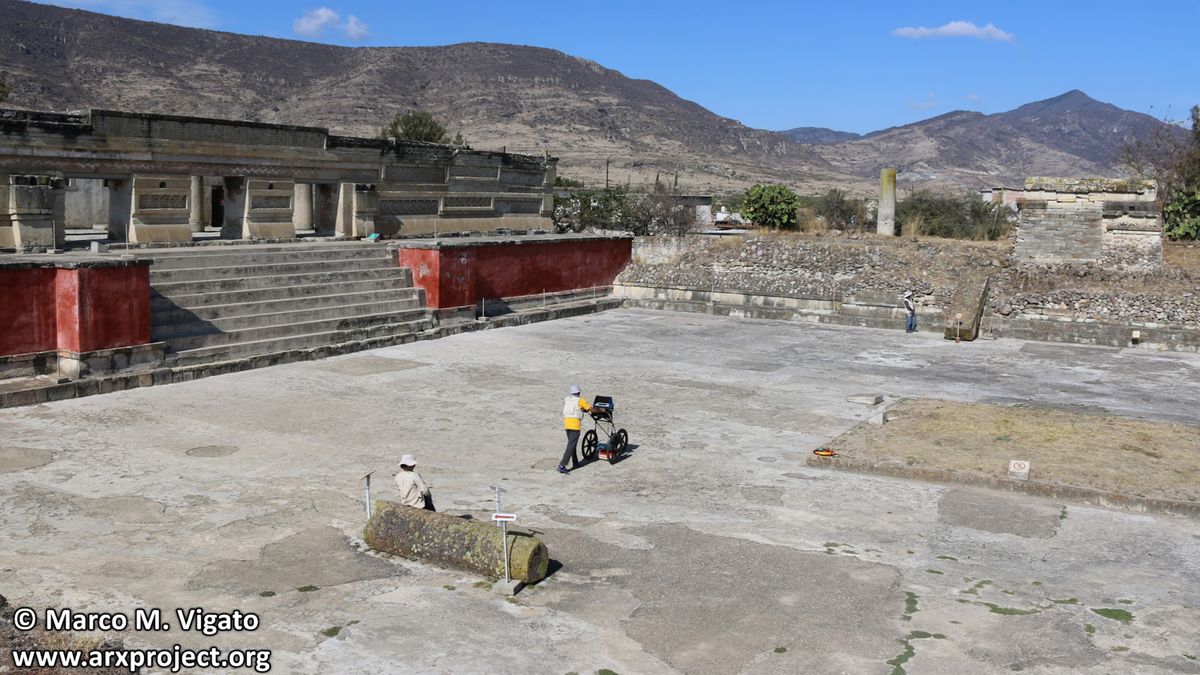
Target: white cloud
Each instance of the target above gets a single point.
(974, 98)
(354, 29)
(956, 29)
(191, 13)
(314, 22)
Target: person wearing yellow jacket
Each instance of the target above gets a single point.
(573, 408)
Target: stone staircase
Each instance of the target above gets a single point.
(218, 303)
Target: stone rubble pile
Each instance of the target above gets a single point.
(1098, 293)
(811, 267)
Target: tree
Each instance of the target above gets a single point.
(5, 89)
(772, 206)
(1171, 157)
(416, 125)
(1181, 205)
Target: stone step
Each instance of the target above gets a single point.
(220, 257)
(273, 332)
(173, 289)
(209, 296)
(168, 313)
(237, 350)
(167, 331)
(268, 269)
(243, 247)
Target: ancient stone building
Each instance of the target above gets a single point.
(1064, 220)
(167, 177)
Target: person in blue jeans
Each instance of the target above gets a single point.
(910, 309)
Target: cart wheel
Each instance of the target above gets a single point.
(589, 444)
(619, 440)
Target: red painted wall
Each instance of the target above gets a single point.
(27, 314)
(103, 307)
(457, 276)
(73, 309)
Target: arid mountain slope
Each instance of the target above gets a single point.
(526, 99)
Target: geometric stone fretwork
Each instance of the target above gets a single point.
(271, 202)
(162, 201)
(467, 202)
(398, 173)
(483, 172)
(522, 178)
(520, 206)
(408, 207)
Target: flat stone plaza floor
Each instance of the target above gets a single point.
(711, 549)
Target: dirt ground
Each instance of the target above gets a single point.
(1084, 449)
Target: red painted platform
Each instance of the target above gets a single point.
(459, 272)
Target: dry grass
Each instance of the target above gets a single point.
(1104, 452)
(1182, 255)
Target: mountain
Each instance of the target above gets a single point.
(525, 99)
(818, 135)
(529, 99)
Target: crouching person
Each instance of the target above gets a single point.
(413, 490)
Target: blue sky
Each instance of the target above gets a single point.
(850, 65)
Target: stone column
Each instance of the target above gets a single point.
(120, 207)
(59, 213)
(345, 210)
(302, 207)
(885, 219)
(196, 204)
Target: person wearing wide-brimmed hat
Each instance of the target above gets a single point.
(413, 490)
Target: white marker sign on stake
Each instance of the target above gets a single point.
(1018, 469)
(504, 517)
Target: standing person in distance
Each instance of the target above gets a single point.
(910, 309)
(573, 408)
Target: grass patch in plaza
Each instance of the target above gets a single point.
(1124, 616)
(1084, 449)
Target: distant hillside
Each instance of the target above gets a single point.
(818, 135)
(527, 99)
(1070, 135)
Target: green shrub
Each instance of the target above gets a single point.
(772, 206)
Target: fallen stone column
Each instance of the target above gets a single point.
(454, 542)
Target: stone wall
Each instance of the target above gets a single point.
(1089, 220)
(810, 266)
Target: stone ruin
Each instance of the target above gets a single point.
(1089, 220)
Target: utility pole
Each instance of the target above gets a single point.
(606, 161)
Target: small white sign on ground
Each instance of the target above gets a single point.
(1018, 469)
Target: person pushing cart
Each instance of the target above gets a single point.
(574, 405)
(615, 442)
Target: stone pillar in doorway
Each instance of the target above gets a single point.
(325, 200)
(120, 208)
(885, 219)
(235, 207)
(196, 204)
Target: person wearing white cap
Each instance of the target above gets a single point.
(910, 308)
(573, 408)
(413, 490)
